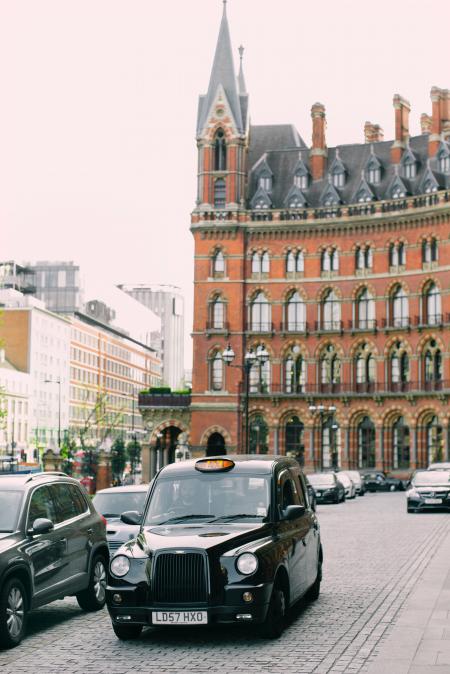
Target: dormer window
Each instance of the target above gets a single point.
(330, 201)
(444, 164)
(398, 193)
(410, 169)
(409, 164)
(374, 175)
(265, 182)
(301, 181)
(430, 187)
(338, 179)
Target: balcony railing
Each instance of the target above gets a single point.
(260, 326)
(329, 326)
(164, 399)
(355, 389)
(294, 326)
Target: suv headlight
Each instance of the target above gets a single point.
(247, 563)
(120, 566)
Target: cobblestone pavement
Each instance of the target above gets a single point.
(374, 555)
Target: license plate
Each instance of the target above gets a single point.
(180, 617)
(433, 501)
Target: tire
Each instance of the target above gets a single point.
(343, 499)
(126, 632)
(273, 625)
(314, 591)
(93, 598)
(13, 613)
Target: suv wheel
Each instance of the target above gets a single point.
(94, 597)
(13, 613)
(273, 625)
(125, 632)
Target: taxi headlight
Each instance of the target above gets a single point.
(247, 563)
(120, 566)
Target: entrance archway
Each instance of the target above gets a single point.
(216, 445)
(166, 443)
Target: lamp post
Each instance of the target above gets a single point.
(261, 356)
(322, 409)
(57, 381)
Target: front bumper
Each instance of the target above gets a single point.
(133, 611)
(419, 504)
(327, 498)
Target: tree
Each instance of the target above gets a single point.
(68, 449)
(134, 455)
(118, 459)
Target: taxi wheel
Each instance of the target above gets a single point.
(126, 632)
(94, 597)
(314, 591)
(273, 625)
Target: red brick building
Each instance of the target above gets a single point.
(337, 261)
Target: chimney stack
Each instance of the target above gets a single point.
(440, 118)
(402, 109)
(425, 123)
(373, 133)
(319, 152)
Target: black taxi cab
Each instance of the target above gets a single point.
(222, 540)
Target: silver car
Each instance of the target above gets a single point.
(357, 480)
(112, 502)
(347, 483)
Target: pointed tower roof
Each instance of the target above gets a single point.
(241, 78)
(223, 75)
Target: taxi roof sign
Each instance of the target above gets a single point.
(214, 465)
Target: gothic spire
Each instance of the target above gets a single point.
(241, 78)
(222, 74)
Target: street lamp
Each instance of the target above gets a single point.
(322, 409)
(261, 356)
(57, 381)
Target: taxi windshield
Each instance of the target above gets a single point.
(209, 497)
(436, 477)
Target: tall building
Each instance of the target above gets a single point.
(336, 262)
(166, 302)
(57, 284)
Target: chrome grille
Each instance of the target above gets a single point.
(115, 545)
(180, 577)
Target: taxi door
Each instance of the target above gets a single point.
(294, 534)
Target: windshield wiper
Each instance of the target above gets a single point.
(183, 517)
(224, 518)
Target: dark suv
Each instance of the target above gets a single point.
(52, 544)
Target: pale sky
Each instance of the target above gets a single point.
(99, 100)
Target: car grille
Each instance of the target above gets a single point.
(180, 577)
(115, 545)
(434, 494)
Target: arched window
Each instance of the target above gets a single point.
(432, 365)
(334, 260)
(220, 191)
(365, 310)
(397, 255)
(265, 262)
(359, 258)
(300, 261)
(366, 443)
(258, 435)
(290, 262)
(260, 314)
(400, 443)
(365, 369)
(216, 376)
(400, 309)
(256, 263)
(294, 373)
(330, 367)
(218, 263)
(296, 313)
(293, 439)
(432, 305)
(401, 254)
(325, 261)
(260, 377)
(220, 152)
(429, 251)
(434, 440)
(216, 445)
(218, 313)
(331, 312)
(399, 367)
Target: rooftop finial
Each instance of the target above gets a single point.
(224, 6)
(241, 52)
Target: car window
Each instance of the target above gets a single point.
(41, 505)
(303, 491)
(66, 507)
(78, 499)
(287, 493)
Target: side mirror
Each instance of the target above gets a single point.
(131, 517)
(41, 526)
(292, 512)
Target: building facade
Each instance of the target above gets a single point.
(334, 261)
(108, 369)
(167, 303)
(57, 284)
(14, 399)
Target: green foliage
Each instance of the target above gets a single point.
(89, 461)
(68, 449)
(118, 459)
(134, 454)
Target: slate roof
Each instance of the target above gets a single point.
(281, 147)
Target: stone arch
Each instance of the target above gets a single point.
(425, 340)
(287, 347)
(255, 291)
(390, 343)
(177, 423)
(325, 289)
(215, 429)
(291, 289)
(398, 283)
(326, 342)
(359, 342)
(363, 285)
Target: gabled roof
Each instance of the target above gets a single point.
(443, 150)
(337, 165)
(222, 74)
(428, 182)
(372, 162)
(363, 190)
(330, 193)
(408, 157)
(301, 169)
(262, 168)
(397, 184)
(295, 196)
(261, 198)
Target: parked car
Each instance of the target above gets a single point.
(52, 544)
(327, 486)
(357, 480)
(112, 502)
(311, 494)
(428, 490)
(442, 465)
(223, 540)
(379, 481)
(347, 482)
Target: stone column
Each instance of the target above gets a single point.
(103, 480)
(413, 449)
(145, 461)
(379, 448)
(153, 461)
(51, 461)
